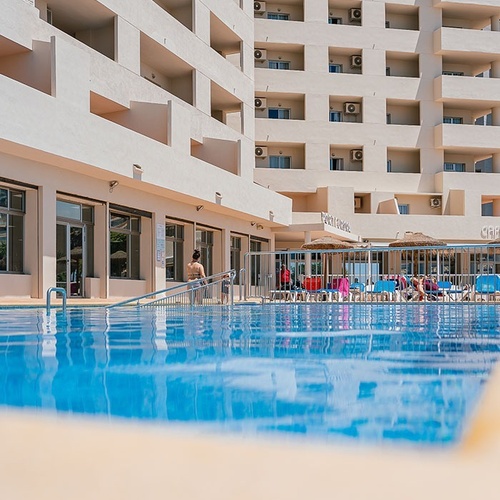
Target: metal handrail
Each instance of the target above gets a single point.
(201, 282)
(56, 289)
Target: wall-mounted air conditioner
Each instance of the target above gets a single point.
(259, 7)
(356, 154)
(435, 202)
(260, 103)
(357, 202)
(260, 54)
(356, 61)
(352, 108)
(260, 151)
(354, 14)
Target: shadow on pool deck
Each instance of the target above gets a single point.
(60, 457)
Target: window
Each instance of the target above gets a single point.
(389, 165)
(280, 162)
(124, 242)
(235, 256)
(388, 24)
(279, 64)
(12, 206)
(453, 119)
(335, 68)
(335, 116)
(388, 118)
(404, 209)
(174, 251)
(279, 113)
(453, 73)
(205, 243)
(487, 209)
(334, 20)
(454, 167)
(336, 163)
(278, 16)
(387, 71)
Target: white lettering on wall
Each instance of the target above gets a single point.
(490, 232)
(330, 220)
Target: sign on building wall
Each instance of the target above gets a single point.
(160, 244)
(330, 220)
(490, 232)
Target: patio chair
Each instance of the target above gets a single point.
(383, 290)
(487, 288)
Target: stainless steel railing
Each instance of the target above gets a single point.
(217, 289)
(449, 274)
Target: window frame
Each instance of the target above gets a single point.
(133, 244)
(335, 65)
(281, 160)
(278, 63)
(14, 232)
(453, 165)
(279, 111)
(177, 242)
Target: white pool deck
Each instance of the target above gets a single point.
(67, 457)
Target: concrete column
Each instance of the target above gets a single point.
(316, 11)
(127, 45)
(70, 74)
(495, 24)
(495, 69)
(159, 247)
(101, 248)
(201, 21)
(47, 241)
(202, 93)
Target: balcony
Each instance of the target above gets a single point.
(484, 92)
(467, 138)
(467, 43)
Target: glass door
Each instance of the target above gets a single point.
(70, 264)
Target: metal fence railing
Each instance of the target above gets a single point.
(406, 274)
(217, 289)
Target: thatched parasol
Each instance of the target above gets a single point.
(411, 239)
(417, 240)
(327, 243)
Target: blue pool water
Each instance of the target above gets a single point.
(332, 372)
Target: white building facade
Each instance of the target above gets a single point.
(382, 115)
(126, 141)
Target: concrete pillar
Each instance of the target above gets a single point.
(47, 241)
(316, 11)
(127, 45)
(495, 24)
(70, 74)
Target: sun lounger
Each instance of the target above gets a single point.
(383, 290)
(487, 288)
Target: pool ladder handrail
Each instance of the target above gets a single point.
(181, 287)
(56, 289)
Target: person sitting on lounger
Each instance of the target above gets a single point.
(418, 285)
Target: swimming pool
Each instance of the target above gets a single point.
(331, 372)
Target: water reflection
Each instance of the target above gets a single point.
(342, 371)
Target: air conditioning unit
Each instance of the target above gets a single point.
(260, 103)
(356, 154)
(352, 108)
(357, 202)
(259, 7)
(356, 61)
(260, 54)
(435, 202)
(355, 14)
(260, 151)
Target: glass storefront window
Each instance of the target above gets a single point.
(11, 230)
(124, 243)
(174, 251)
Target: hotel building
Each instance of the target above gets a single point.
(135, 131)
(127, 140)
(384, 115)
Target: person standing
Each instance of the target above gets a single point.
(285, 278)
(195, 274)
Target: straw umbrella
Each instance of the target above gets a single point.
(326, 243)
(417, 239)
